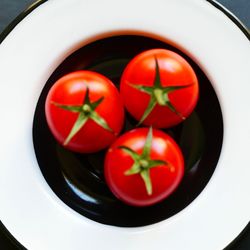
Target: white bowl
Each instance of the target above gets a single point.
(29, 209)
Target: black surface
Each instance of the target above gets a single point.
(78, 179)
(9, 9)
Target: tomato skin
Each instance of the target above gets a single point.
(165, 179)
(71, 90)
(174, 71)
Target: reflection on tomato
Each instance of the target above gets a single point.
(159, 88)
(143, 166)
(84, 111)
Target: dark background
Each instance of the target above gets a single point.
(9, 9)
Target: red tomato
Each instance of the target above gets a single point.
(84, 111)
(143, 166)
(159, 88)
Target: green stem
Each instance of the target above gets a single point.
(85, 112)
(145, 175)
(86, 108)
(159, 96)
(143, 163)
(158, 93)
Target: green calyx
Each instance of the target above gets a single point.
(143, 163)
(158, 94)
(85, 112)
(160, 97)
(86, 108)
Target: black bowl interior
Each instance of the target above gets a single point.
(77, 179)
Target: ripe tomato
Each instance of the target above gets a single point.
(159, 88)
(143, 166)
(84, 111)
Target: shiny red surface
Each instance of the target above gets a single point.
(174, 71)
(165, 179)
(70, 90)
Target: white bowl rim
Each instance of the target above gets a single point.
(38, 3)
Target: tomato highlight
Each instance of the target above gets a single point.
(143, 167)
(159, 88)
(84, 111)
